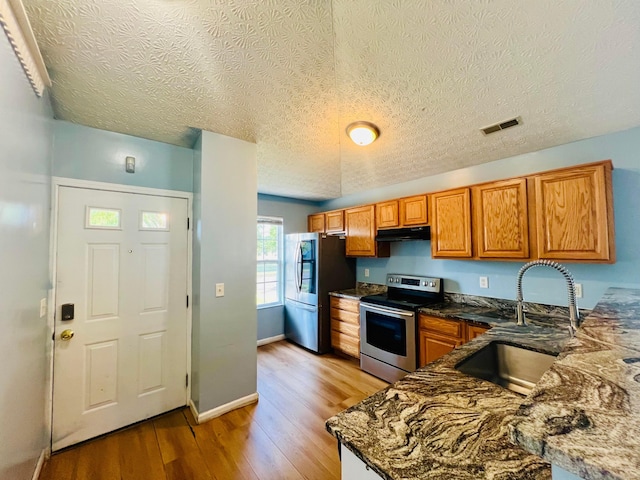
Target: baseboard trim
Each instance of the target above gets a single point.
(264, 341)
(39, 465)
(222, 409)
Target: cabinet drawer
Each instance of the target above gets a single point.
(345, 304)
(344, 316)
(346, 328)
(451, 328)
(345, 344)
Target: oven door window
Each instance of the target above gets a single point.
(387, 333)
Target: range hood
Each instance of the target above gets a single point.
(403, 234)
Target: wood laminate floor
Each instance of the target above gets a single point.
(280, 437)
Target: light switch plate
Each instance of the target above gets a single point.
(43, 307)
(366, 272)
(219, 289)
(578, 288)
(484, 282)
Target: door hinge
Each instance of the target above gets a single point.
(188, 223)
(187, 301)
(186, 382)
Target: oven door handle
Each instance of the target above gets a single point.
(368, 306)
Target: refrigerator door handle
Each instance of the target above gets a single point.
(299, 270)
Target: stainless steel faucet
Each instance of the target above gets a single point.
(574, 316)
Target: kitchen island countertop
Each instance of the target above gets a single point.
(439, 423)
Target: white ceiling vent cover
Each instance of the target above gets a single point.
(502, 125)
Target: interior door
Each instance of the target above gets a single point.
(122, 264)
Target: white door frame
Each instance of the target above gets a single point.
(56, 183)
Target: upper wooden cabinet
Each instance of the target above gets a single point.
(404, 212)
(334, 221)
(451, 224)
(316, 222)
(388, 214)
(360, 227)
(413, 211)
(574, 214)
(501, 219)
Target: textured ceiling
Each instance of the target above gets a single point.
(290, 75)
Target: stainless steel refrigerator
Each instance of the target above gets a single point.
(315, 264)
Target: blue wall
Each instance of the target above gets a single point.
(294, 214)
(25, 191)
(540, 285)
(225, 211)
(91, 154)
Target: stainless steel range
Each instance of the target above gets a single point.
(388, 325)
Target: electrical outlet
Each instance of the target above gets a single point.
(43, 307)
(219, 289)
(484, 282)
(578, 289)
(366, 272)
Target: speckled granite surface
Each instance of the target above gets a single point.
(361, 290)
(496, 312)
(584, 413)
(438, 423)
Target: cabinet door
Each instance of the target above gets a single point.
(387, 214)
(433, 346)
(413, 210)
(361, 232)
(474, 330)
(316, 222)
(451, 224)
(501, 222)
(334, 221)
(574, 214)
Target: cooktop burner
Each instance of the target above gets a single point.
(408, 292)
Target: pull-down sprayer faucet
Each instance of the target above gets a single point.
(574, 316)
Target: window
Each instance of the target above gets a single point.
(154, 221)
(269, 274)
(108, 218)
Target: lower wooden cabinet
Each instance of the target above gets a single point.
(475, 330)
(438, 336)
(345, 326)
(434, 346)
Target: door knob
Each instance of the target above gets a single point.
(66, 335)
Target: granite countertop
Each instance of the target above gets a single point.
(361, 290)
(583, 415)
(439, 423)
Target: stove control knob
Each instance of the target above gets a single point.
(397, 280)
(433, 284)
(424, 283)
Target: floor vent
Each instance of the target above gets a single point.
(501, 126)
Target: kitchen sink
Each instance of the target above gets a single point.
(512, 367)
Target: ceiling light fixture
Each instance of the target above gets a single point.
(362, 133)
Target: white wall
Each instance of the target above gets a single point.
(225, 212)
(25, 177)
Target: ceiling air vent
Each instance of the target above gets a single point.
(501, 126)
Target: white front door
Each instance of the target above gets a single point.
(122, 264)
